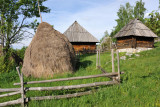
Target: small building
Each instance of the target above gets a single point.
(135, 35)
(80, 38)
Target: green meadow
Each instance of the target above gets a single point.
(139, 87)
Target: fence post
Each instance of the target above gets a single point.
(118, 62)
(112, 53)
(97, 60)
(22, 90)
(99, 57)
(22, 86)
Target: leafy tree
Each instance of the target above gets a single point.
(14, 25)
(128, 12)
(125, 13)
(13, 16)
(159, 4)
(153, 22)
(139, 10)
(106, 34)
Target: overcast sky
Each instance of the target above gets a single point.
(96, 16)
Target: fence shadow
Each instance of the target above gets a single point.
(83, 64)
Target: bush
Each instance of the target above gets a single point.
(8, 62)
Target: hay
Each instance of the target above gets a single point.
(49, 52)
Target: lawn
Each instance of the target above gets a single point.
(139, 87)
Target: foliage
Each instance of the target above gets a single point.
(10, 63)
(106, 34)
(139, 10)
(153, 22)
(128, 12)
(13, 14)
(139, 86)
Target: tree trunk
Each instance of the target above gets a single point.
(2, 34)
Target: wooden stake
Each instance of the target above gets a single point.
(99, 58)
(118, 65)
(112, 52)
(39, 11)
(97, 64)
(17, 68)
(22, 90)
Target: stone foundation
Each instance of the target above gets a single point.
(133, 50)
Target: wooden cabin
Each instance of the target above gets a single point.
(134, 35)
(80, 38)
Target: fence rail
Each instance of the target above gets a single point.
(72, 78)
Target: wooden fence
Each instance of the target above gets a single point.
(22, 90)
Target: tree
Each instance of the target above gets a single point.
(125, 13)
(139, 10)
(153, 22)
(13, 16)
(128, 12)
(106, 34)
(159, 4)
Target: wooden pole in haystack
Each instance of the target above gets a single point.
(39, 11)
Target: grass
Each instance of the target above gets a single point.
(140, 86)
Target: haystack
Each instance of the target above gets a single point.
(49, 52)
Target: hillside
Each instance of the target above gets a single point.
(140, 84)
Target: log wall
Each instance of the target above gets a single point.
(83, 46)
(134, 42)
(145, 42)
(124, 42)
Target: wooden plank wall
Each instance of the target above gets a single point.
(134, 42)
(84, 46)
(146, 42)
(124, 42)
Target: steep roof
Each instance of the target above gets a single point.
(135, 28)
(76, 33)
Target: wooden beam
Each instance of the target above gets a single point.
(72, 78)
(10, 94)
(71, 86)
(60, 96)
(104, 72)
(9, 89)
(18, 101)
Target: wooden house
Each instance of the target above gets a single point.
(134, 35)
(80, 38)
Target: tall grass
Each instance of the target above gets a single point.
(140, 84)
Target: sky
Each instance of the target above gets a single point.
(96, 16)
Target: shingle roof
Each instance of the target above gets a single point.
(135, 28)
(76, 33)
